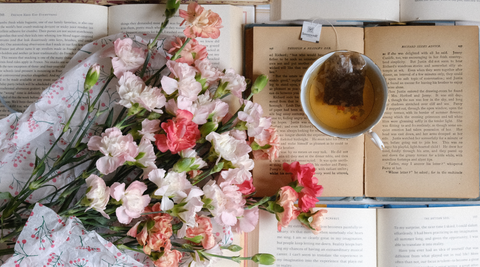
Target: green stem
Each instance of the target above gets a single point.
(227, 125)
(145, 64)
(177, 54)
(129, 248)
(234, 258)
(7, 251)
(110, 77)
(155, 74)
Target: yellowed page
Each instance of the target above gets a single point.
(224, 52)
(37, 41)
(430, 128)
(413, 10)
(347, 239)
(279, 53)
(365, 10)
(432, 237)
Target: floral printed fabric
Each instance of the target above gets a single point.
(50, 240)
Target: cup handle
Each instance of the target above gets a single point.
(375, 139)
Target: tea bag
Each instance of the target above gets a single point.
(343, 76)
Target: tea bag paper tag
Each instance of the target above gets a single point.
(311, 32)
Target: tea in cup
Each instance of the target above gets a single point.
(344, 94)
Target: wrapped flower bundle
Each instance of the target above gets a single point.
(160, 166)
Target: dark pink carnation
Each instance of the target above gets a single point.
(246, 187)
(181, 133)
(299, 171)
(311, 189)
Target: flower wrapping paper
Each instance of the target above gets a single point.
(50, 240)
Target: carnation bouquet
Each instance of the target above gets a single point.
(145, 163)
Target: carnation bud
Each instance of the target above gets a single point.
(263, 258)
(172, 7)
(92, 77)
(234, 248)
(35, 185)
(259, 84)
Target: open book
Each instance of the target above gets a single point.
(375, 10)
(38, 40)
(430, 127)
(367, 237)
(122, 2)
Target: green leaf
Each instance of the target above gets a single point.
(150, 224)
(177, 226)
(109, 121)
(101, 220)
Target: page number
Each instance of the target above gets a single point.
(460, 45)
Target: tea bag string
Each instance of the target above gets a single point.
(334, 30)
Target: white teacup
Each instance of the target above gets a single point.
(380, 95)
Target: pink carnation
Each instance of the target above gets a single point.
(311, 189)
(181, 133)
(271, 138)
(191, 52)
(133, 202)
(116, 147)
(169, 258)
(248, 221)
(207, 71)
(317, 220)
(127, 58)
(98, 194)
(154, 236)
(287, 199)
(252, 114)
(204, 229)
(236, 82)
(200, 22)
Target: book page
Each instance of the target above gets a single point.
(278, 53)
(347, 239)
(440, 10)
(37, 41)
(434, 237)
(430, 127)
(224, 52)
(365, 10)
